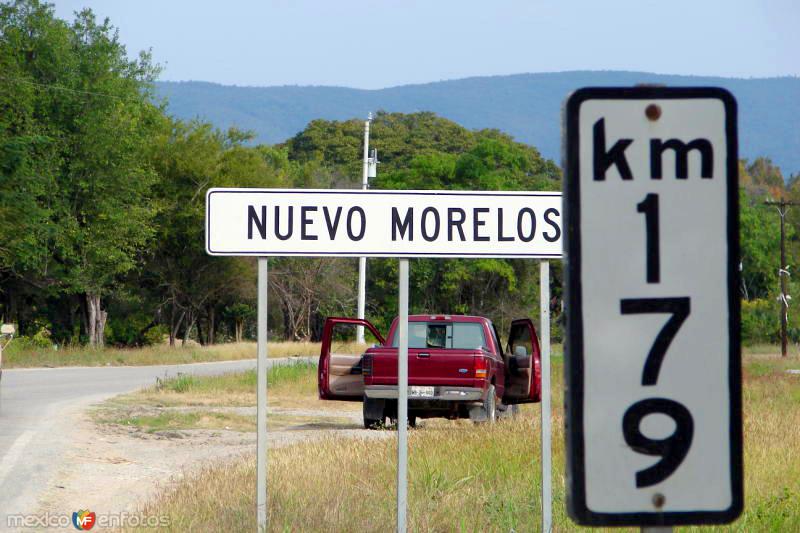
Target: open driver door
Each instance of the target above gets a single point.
(523, 364)
(339, 375)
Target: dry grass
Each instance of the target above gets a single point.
(151, 355)
(157, 421)
(169, 420)
(474, 478)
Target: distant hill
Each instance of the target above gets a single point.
(527, 106)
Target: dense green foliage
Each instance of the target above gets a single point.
(423, 151)
(75, 132)
(102, 206)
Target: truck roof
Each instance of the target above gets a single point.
(445, 317)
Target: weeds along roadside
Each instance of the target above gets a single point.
(31, 357)
(491, 472)
(226, 401)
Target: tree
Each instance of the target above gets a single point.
(423, 151)
(310, 289)
(759, 228)
(398, 137)
(191, 157)
(90, 120)
(239, 313)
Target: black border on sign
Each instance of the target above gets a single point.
(209, 251)
(573, 360)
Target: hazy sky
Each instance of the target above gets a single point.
(372, 44)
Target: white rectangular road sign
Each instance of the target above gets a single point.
(652, 363)
(377, 223)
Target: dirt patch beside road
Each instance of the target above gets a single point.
(125, 451)
(110, 469)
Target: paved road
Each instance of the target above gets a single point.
(34, 405)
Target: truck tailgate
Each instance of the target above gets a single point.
(425, 367)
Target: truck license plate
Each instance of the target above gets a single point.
(420, 392)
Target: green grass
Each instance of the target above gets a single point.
(230, 389)
(278, 375)
(476, 478)
(152, 355)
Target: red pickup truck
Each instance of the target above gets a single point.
(457, 368)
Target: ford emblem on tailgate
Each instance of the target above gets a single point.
(463, 370)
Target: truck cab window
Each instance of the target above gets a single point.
(437, 336)
(468, 336)
(446, 335)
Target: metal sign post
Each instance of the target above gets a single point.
(261, 414)
(402, 398)
(544, 333)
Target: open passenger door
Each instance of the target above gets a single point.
(523, 364)
(339, 374)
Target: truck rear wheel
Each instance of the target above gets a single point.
(412, 421)
(373, 423)
(490, 405)
(505, 411)
(374, 413)
(487, 412)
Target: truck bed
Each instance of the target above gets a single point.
(432, 366)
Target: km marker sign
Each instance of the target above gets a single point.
(379, 223)
(652, 359)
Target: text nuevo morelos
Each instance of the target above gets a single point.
(403, 224)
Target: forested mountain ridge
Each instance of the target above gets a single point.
(526, 106)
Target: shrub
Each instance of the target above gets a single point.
(760, 322)
(155, 335)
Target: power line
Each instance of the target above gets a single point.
(61, 88)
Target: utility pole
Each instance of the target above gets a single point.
(783, 272)
(369, 171)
